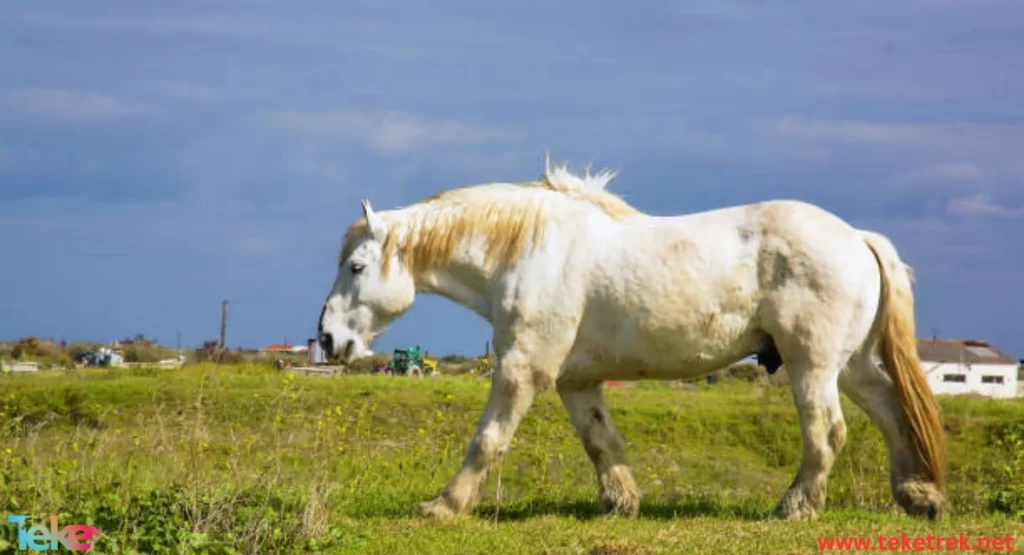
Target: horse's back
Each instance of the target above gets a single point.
(691, 290)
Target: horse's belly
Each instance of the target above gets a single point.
(692, 312)
(663, 346)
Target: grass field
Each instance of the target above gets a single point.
(244, 459)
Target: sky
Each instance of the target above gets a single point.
(157, 158)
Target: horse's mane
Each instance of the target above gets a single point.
(500, 214)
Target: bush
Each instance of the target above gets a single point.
(32, 348)
(750, 373)
(1008, 497)
(369, 364)
(746, 372)
(148, 353)
(211, 352)
(76, 349)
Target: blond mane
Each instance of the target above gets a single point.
(505, 219)
(589, 188)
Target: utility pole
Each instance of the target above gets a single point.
(223, 323)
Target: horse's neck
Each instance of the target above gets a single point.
(464, 280)
(462, 283)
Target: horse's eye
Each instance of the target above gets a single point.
(357, 268)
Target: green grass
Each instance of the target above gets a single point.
(244, 459)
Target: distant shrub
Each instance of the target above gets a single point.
(460, 368)
(211, 352)
(1008, 496)
(369, 364)
(751, 373)
(76, 349)
(33, 348)
(746, 372)
(229, 356)
(147, 353)
(295, 359)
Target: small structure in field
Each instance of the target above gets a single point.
(314, 352)
(283, 349)
(18, 366)
(176, 362)
(103, 357)
(957, 366)
(322, 370)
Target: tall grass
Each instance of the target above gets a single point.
(246, 459)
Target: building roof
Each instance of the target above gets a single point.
(284, 349)
(972, 351)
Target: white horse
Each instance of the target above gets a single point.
(580, 288)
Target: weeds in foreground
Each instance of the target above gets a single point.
(245, 459)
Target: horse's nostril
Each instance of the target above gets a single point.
(327, 342)
(348, 348)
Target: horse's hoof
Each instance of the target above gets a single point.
(618, 493)
(623, 504)
(801, 513)
(921, 499)
(795, 505)
(438, 509)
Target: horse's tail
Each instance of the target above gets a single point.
(898, 348)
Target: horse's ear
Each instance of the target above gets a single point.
(376, 223)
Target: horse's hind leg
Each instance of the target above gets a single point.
(618, 492)
(816, 395)
(871, 389)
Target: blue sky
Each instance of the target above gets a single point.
(156, 158)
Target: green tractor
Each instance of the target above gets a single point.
(410, 362)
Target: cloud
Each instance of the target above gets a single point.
(967, 273)
(66, 106)
(208, 140)
(981, 204)
(910, 157)
(886, 133)
(254, 244)
(386, 133)
(851, 131)
(187, 91)
(961, 173)
(230, 26)
(247, 164)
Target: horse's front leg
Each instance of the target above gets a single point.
(513, 389)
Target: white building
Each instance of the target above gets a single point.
(956, 366)
(315, 353)
(18, 366)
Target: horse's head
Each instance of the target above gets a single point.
(364, 298)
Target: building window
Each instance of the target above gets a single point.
(956, 378)
(991, 379)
